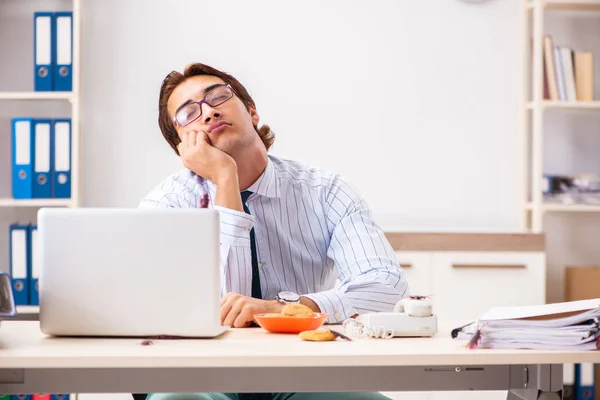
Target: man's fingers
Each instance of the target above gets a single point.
(202, 139)
(244, 318)
(233, 313)
(226, 308)
(227, 296)
(184, 141)
(226, 303)
(192, 139)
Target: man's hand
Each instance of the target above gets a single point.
(238, 311)
(200, 156)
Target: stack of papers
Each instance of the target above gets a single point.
(573, 325)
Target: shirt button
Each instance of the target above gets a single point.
(259, 265)
(336, 315)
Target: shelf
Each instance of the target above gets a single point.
(565, 5)
(9, 202)
(536, 22)
(568, 105)
(558, 207)
(28, 309)
(36, 96)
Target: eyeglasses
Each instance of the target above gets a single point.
(190, 112)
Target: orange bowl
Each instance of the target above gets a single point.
(280, 324)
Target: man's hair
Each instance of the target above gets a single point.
(174, 79)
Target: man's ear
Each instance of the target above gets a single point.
(254, 115)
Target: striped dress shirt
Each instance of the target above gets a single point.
(314, 236)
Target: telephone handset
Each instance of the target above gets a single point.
(412, 317)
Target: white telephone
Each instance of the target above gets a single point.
(412, 316)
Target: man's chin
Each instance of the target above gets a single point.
(224, 146)
(229, 144)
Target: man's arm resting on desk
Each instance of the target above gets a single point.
(238, 310)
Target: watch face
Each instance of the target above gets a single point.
(289, 296)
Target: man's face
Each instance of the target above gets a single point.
(229, 125)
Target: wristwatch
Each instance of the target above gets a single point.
(288, 297)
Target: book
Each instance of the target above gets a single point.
(584, 75)
(568, 74)
(550, 68)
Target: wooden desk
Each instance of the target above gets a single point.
(245, 360)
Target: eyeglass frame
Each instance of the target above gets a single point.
(227, 85)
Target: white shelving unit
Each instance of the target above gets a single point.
(37, 96)
(74, 99)
(566, 5)
(567, 207)
(534, 106)
(9, 202)
(567, 105)
(28, 312)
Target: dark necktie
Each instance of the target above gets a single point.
(256, 292)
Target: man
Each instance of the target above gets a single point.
(288, 231)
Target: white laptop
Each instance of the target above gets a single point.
(129, 272)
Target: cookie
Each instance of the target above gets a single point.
(297, 310)
(317, 336)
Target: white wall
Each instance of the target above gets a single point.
(416, 102)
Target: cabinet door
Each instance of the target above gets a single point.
(466, 284)
(416, 267)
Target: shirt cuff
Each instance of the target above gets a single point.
(235, 226)
(333, 303)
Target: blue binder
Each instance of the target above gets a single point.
(43, 51)
(34, 263)
(21, 397)
(61, 156)
(41, 159)
(22, 158)
(585, 381)
(60, 397)
(19, 263)
(63, 51)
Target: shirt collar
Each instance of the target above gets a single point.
(267, 184)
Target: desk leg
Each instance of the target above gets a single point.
(541, 382)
